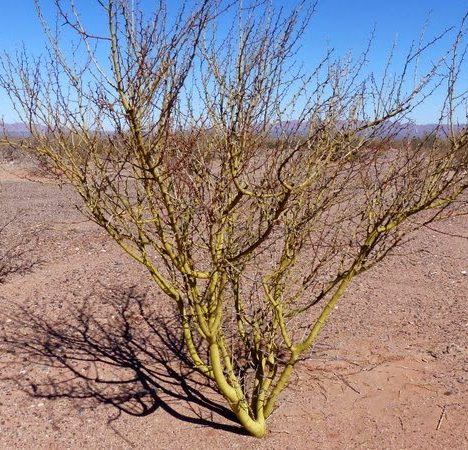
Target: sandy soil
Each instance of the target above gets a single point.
(390, 370)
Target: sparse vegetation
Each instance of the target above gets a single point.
(15, 253)
(252, 192)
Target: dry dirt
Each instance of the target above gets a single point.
(390, 370)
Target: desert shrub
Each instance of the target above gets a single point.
(16, 255)
(251, 191)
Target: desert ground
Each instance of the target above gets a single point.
(89, 360)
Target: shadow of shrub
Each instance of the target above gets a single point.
(112, 349)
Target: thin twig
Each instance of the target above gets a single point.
(441, 416)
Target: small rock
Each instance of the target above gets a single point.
(464, 272)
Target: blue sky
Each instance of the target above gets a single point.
(343, 25)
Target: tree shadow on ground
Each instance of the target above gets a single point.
(113, 350)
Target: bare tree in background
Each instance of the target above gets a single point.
(252, 191)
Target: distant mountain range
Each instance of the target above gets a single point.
(395, 129)
(15, 129)
(404, 130)
(419, 131)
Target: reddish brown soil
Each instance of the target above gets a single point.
(390, 370)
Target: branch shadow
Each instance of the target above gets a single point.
(113, 350)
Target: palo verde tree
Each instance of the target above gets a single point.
(252, 190)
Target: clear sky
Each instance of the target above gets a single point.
(341, 24)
